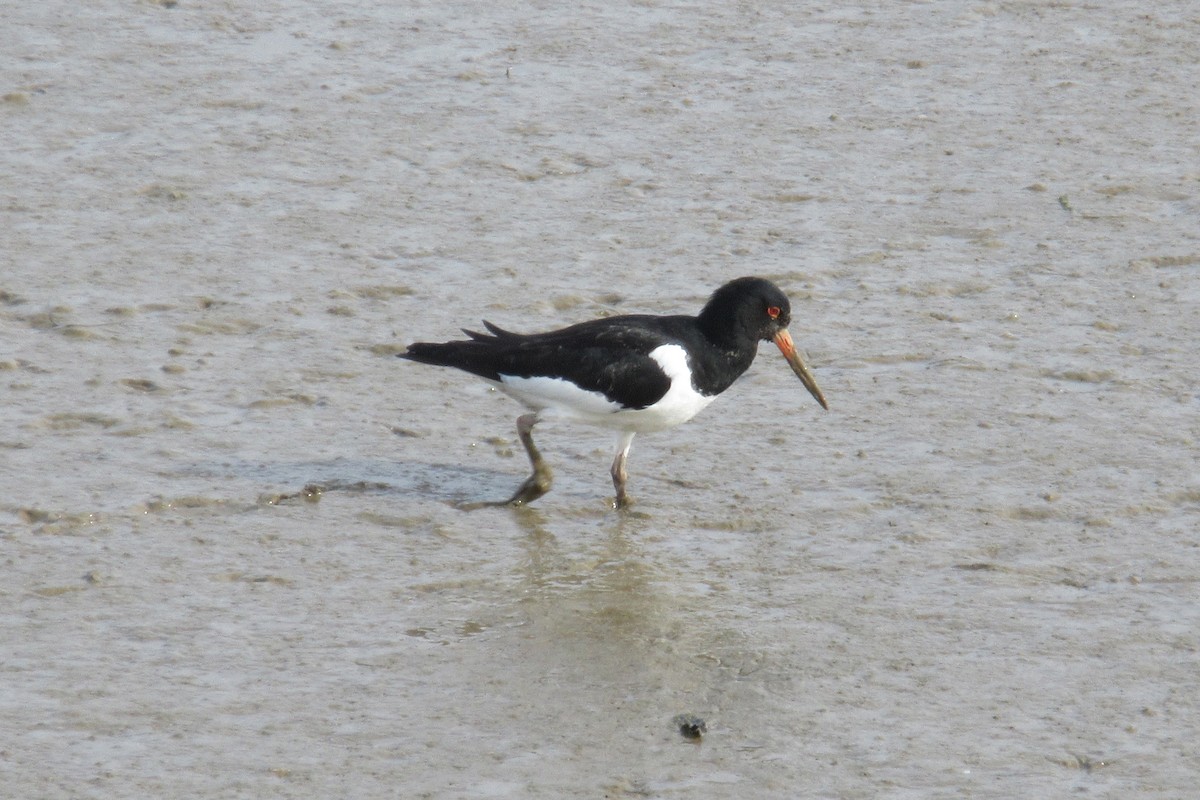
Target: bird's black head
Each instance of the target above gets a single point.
(746, 309)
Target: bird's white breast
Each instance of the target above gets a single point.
(681, 402)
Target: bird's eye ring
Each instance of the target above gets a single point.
(773, 312)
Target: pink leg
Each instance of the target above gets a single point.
(538, 483)
(619, 475)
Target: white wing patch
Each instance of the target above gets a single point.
(555, 397)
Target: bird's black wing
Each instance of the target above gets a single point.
(610, 356)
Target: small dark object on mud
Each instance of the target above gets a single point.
(690, 726)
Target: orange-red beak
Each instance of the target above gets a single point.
(783, 340)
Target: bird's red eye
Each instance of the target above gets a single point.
(773, 312)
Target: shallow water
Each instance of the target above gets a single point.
(974, 577)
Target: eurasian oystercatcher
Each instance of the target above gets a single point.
(633, 373)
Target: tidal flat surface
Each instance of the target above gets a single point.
(234, 558)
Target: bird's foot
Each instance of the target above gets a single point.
(534, 486)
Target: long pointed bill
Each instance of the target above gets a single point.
(783, 340)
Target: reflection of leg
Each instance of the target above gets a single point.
(619, 475)
(539, 482)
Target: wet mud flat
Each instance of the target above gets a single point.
(235, 556)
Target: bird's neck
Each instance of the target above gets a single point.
(714, 370)
(725, 332)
